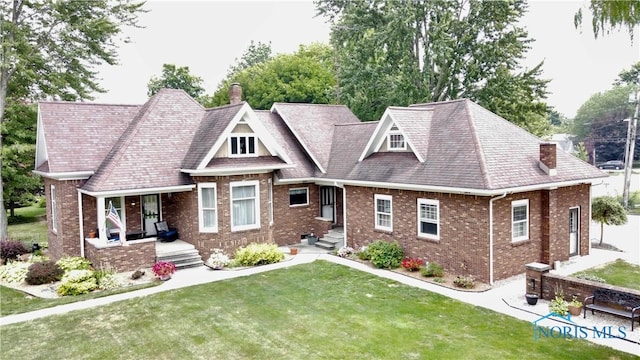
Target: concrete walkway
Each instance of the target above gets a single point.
(506, 297)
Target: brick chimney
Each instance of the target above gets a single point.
(548, 158)
(235, 94)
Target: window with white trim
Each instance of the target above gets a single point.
(242, 145)
(429, 218)
(396, 141)
(520, 220)
(54, 227)
(383, 211)
(299, 196)
(207, 207)
(245, 205)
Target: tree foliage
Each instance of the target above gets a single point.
(607, 210)
(598, 121)
(255, 54)
(18, 152)
(403, 52)
(51, 48)
(176, 78)
(306, 76)
(611, 14)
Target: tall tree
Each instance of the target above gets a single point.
(598, 122)
(611, 14)
(50, 49)
(307, 76)
(254, 55)
(18, 152)
(403, 52)
(176, 78)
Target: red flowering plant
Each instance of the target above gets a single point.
(164, 268)
(412, 264)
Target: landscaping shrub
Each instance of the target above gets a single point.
(10, 250)
(258, 254)
(465, 282)
(385, 255)
(14, 272)
(69, 263)
(412, 264)
(43, 273)
(363, 253)
(77, 282)
(110, 281)
(589, 277)
(433, 269)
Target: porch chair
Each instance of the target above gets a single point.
(165, 233)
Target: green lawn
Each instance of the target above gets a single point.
(313, 311)
(16, 302)
(29, 225)
(619, 273)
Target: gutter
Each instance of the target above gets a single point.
(491, 235)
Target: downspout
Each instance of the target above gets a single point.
(81, 223)
(491, 235)
(344, 210)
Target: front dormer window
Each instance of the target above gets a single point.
(242, 145)
(396, 141)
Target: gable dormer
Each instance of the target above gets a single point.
(399, 130)
(244, 137)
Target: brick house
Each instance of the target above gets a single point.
(451, 181)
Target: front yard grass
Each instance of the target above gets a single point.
(16, 302)
(29, 225)
(618, 273)
(313, 311)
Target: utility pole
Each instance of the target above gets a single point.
(629, 149)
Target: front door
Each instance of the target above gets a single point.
(150, 213)
(574, 230)
(327, 202)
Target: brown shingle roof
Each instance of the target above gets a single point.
(313, 126)
(278, 129)
(150, 151)
(80, 135)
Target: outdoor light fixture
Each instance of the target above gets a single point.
(532, 284)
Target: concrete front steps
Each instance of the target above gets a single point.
(332, 240)
(181, 253)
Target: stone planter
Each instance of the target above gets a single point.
(532, 299)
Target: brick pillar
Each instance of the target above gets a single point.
(534, 277)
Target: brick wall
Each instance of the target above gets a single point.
(65, 241)
(185, 211)
(553, 284)
(292, 222)
(123, 258)
(463, 247)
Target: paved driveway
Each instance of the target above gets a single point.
(625, 237)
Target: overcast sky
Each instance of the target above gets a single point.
(207, 36)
